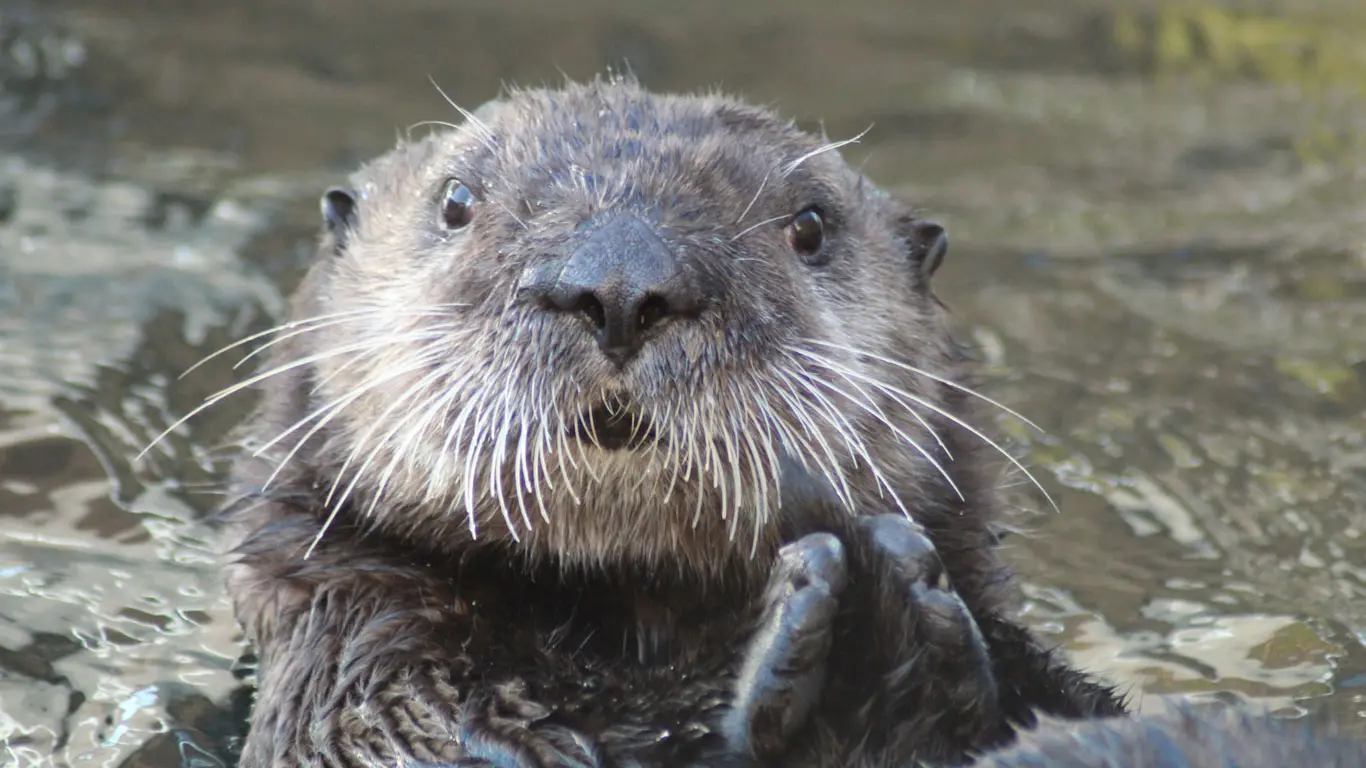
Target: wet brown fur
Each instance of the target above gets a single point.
(1186, 738)
(617, 612)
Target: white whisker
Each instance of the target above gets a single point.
(227, 392)
(478, 125)
(900, 393)
(834, 145)
(753, 200)
(261, 334)
(851, 438)
(876, 412)
(922, 372)
(756, 225)
(809, 428)
(363, 315)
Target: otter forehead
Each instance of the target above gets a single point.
(616, 143)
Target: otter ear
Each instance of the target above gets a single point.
(929, 244)
(339, 212)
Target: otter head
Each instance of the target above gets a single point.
(598, 324)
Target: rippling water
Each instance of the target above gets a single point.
(1159, 251)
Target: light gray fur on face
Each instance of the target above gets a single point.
(448, 407)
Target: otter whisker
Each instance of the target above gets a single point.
(922, 372)
(389, 375)
(362, 442)
(498, 424)
(510, 214)
(785, 389)
(699, 435)
(227, 392)
(637, 423)
(900, 393)
(847, 431)
(757, 475)
(437, 123)
(868, 406)
(672, 457)
(489, 139)
(658, 458)
(590, 427)
(690, 430)
(754, 199)
(316, 321)
(542, 444)
(430, 408)
(834, 145)
(281, 327)
(472, 454)
(497, 459)
(720, 452)
(871, 407)
(929, 428)
(541, 484)
(335, 510)
(713, 465)
(327, 411)
(850, 436)
(765, 414)
(796, 446)
(756, 225)
(747, 425)
(522, 473)
(473, 402)
(438, 485)
(646, 474)
(562, 453)
(728, 441)
(376, 423)
(343, 367)
(311, 329)
(398, 452)
(793, 444)
(496, 428)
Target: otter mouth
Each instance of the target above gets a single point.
(615, 427)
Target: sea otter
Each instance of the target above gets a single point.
(612, 427)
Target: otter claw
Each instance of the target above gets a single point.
(784, 668)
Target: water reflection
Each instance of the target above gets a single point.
(1159, 251)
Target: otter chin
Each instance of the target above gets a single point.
(618, 426)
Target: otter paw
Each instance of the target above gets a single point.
(928, 630)
(502, 728)
(784, 665)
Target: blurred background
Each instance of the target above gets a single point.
(1158, 216)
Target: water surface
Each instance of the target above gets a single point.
(1159, 253)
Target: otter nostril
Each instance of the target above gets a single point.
(652, 312)
(623, 278)
(590, 307)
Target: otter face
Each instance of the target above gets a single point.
(600, 322)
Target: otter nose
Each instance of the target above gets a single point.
(626, 281)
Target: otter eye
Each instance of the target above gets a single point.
(807, 232)
(457, 205)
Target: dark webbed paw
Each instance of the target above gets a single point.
(934, 620)
(933, 657)
(785, 664)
